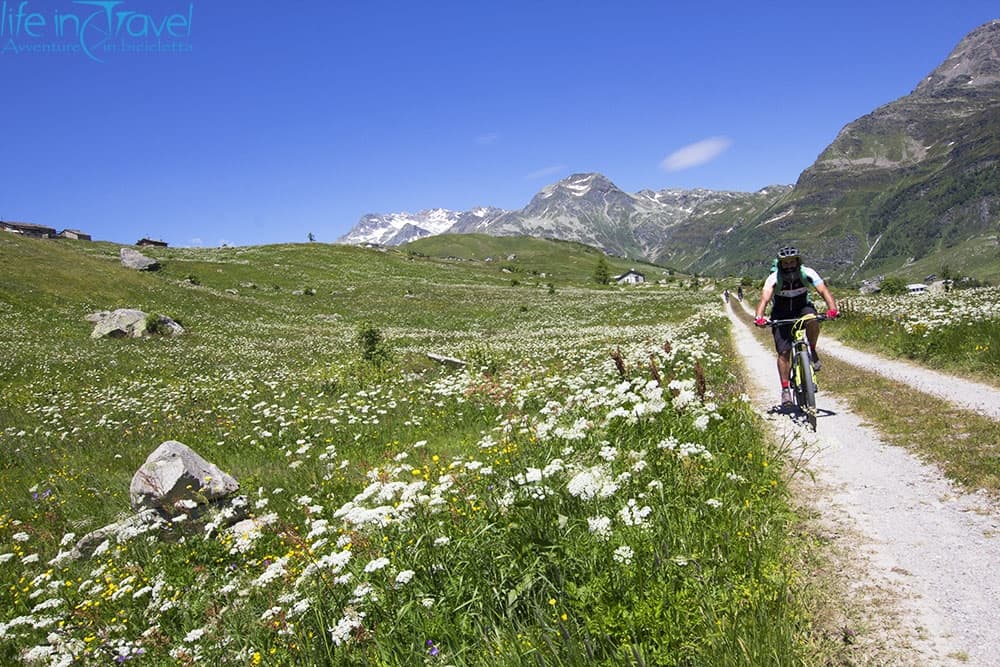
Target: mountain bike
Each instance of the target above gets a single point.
(802, 378)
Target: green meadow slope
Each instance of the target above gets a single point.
(591, 488)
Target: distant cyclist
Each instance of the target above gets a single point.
(788, 285)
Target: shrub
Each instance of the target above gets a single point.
(155, 324)
(484, 359)
(372, 344)
(892, 286)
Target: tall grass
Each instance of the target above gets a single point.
(545, 505)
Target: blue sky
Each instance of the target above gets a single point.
(273, 120)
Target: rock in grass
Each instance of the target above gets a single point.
(131, 323)
(173, 485)
(133, 259)
(120, 531)
(177, 480)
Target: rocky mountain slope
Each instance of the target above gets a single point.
(916, 181)
(590, 209)
(910, 187)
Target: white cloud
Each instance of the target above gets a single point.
(547, 171)
(195, 243)
(696, 154)
(487, 139)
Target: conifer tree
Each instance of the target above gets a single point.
(602, 274)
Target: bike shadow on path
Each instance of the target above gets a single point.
(796, 415)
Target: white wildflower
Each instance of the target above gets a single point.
(194, 635)
(624, 555)
(299, 608)
(600, 526)
(632, 514)
(342, 631)
(38, 655)
(377, 564)
(273, 571)
(554, 467)
(363, 590)
(51, 603)
(591, 483)
(701, 422)
(270, 613)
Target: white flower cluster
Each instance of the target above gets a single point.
(633, 515)
(624, 555)
(685, 450)
(927, 313)
(592, 482)
(341, 632)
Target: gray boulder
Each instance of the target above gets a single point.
(133, 259)
(130, 323)
(117, 533)
(176, 492)
(177, 480)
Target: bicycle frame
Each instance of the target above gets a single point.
(801, 376)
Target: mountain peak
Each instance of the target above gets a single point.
(579, 185)
(975, 63)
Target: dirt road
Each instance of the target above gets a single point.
(914, 535)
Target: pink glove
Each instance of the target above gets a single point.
(760, 321)
(832, 313)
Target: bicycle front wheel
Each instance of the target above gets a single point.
(806, 392)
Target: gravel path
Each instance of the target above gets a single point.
(966, 394)
(909, 529)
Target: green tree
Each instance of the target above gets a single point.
(892, 285)
(602, 273)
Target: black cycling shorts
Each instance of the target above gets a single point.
(783, 334)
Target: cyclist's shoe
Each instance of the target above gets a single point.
(786, 396)
(816, 363)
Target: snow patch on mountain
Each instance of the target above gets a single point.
(396, 228)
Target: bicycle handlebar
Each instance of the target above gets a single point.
(810, 316)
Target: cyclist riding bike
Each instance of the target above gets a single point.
(788, 286)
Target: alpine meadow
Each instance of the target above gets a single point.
(591, 486)
(523, 412)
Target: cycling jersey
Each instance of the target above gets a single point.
(791, 295)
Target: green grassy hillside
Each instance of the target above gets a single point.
(546, 504)
(559, 261)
